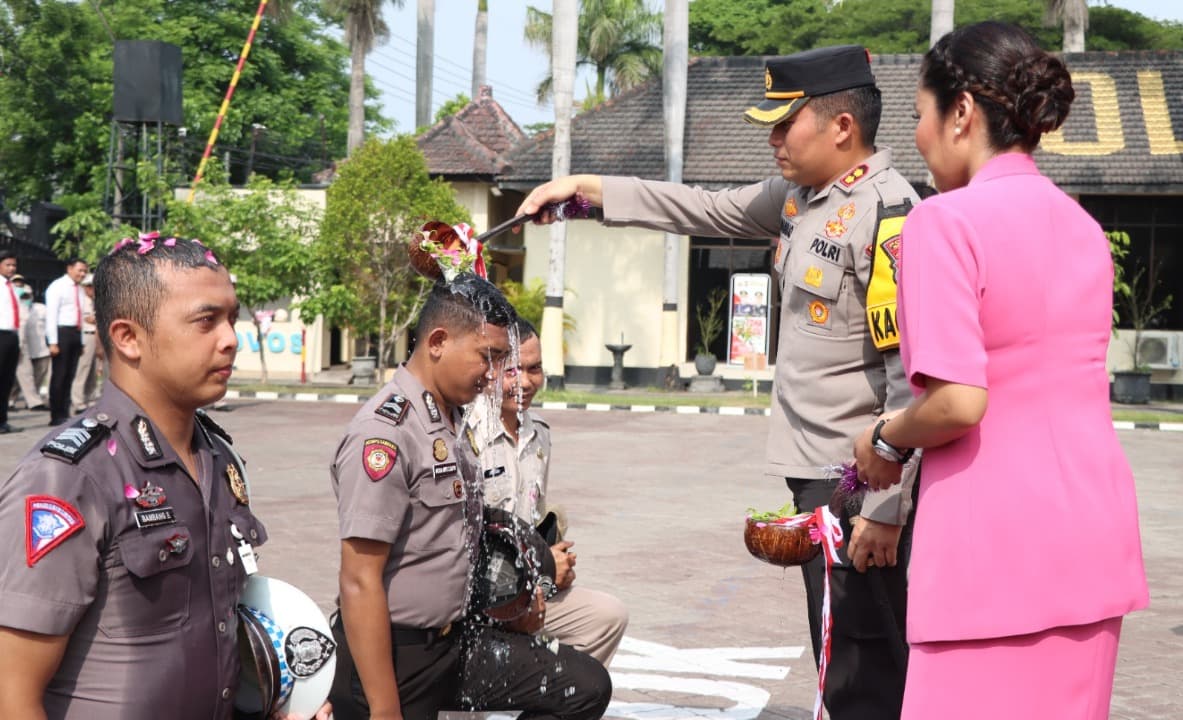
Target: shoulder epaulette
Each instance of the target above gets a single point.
(208, 423)
(394, 408)
(75, 441)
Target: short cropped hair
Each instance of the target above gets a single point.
(7, 254)
(525, 330)
(865, 105)
(127, 284)
(463, 305)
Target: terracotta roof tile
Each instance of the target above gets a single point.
(473, 141)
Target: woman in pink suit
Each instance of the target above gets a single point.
(1026, 551)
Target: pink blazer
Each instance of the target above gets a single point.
(1029, 521)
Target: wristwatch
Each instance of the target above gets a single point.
(886, 450)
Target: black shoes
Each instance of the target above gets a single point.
(6, 429)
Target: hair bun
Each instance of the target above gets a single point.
(1042, 90)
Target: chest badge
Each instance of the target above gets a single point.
(458, 488)
(814, 276)
(835, 229)
(846, 212)
(237, 484)
(176, 544)
(439, 450)
(378, 457)
(147, 438)
(476, 449)
(819, 312)
(791, 207)
(147, 497)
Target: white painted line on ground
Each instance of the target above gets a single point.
(346, 398)
(266, 395)
(1122, 425)
(1171, 427)
(554, 406)
(687, 410)
(307, 397)
(232, 394)
(598, 407)
(643, 408)
(731, 411)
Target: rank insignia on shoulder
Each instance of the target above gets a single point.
(395, 408)
(49, 521)
(237, 484)
(852, 177)
(147, 438)
(439, 449)
(433, 409)
(75, 441)
(378, 458)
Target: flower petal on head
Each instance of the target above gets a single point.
(171, 242)
(150, 236)
(122, 244)
(209, 257)
(146, 245)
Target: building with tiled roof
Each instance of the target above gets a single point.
(1120, 152)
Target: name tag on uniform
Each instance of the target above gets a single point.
(494, 472)
(155, 517)
(441, 470)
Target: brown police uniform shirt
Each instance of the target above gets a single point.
(830, 380)
(146, 590)
(402, 476)
(515, 474)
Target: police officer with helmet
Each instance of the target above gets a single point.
(129, 528)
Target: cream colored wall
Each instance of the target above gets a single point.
(474, 197)
(614, 286)
(1120, 357)
(283, 344)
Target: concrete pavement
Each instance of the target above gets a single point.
(656, 504)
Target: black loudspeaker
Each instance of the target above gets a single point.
(147, 82)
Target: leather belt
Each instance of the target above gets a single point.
(419, 636)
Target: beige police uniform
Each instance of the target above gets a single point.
(830, 378)
(402, 478)
(111, 542)
(516, 477)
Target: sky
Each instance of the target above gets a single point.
(514, 68)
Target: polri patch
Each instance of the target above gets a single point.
(49, 521)
(442, 470)
(307, 651)
(433, 410)
(75, 441)
(439, 450)
(155, 517)
(395, 408)
(378, 458)
(147, 438)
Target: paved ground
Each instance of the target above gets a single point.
(657, 504)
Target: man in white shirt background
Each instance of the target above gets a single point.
(10, 337)
(33, 367)
(63, 332)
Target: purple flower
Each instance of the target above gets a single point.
(171, 242)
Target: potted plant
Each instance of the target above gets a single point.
(710, 323)
(1135, 301)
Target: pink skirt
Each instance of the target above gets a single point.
(1064, 672)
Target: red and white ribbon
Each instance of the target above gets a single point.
(829, 534)
(474, 248)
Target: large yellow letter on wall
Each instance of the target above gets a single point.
(1156, 114)
(1106, 116)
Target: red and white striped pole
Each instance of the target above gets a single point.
(213, 136)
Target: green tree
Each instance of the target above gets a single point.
(362, 279)
(620, 39)
(451, 107)
(56, 88)
(364, 27)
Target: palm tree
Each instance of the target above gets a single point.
(942, 20)
(480, 45)
(1074, 14)
(424, 56)
(565, 29)
(676, 38)
(364, 27)
(616, 37)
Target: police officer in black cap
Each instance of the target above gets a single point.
(835, 213)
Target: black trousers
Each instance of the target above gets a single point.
(62, 368)
(475, 668)
(10, 353)
(868, 652)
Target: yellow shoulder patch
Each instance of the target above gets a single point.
(882, 286)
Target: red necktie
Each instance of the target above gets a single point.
(16, 314)
(78, 304)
